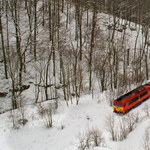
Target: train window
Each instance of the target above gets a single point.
(133, 100)
(120, 105)
(143, 94)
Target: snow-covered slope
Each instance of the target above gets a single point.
(68, 124)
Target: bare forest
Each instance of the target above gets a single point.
(61, 47)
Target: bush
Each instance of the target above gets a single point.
(46, 113)
(90, 138)
(145, 143)
(97, 137)
(110, 124)
(119, 129)
(147, 110)
(132, 119)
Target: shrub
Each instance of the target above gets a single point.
(145, 143)
(46, 113)
(90, 138)
(119, 129)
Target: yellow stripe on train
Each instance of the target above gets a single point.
(119, 109)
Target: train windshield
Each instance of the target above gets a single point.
(120, 105)
(115, 104)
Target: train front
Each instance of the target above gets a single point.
(118, 107)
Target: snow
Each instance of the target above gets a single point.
(90, 113)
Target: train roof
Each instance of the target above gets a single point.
(129, 94)
(148, 84)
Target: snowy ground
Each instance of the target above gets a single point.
(90, 113)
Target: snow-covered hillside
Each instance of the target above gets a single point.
(76, 127)
(70, 124)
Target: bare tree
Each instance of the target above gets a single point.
(147, 110)
(119, 129)
(90, 138)
(97, 137)
(94, 20)
(23, 119)
(46, 113)
(145, 143)
(2, 42)
(50, 20)
(30, 14)
(110, 121)
(13, 117)
(35, 26)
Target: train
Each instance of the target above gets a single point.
(132, 99)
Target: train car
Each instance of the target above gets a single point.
(131, 99)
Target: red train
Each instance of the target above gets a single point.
(131, 99)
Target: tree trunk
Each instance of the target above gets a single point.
(43, 22)
(7, 31)
(30, 14)
(18, 47)
(92, 46)
(35, 27)
(136, 42)
(64, 75)
(67, 16)
(50, 18)
(3, 46)
(87, 19)
(146, 66)
(46, 77)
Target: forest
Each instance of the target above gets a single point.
(39, 33)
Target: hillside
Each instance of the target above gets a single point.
(62, 63)
(70, 125)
